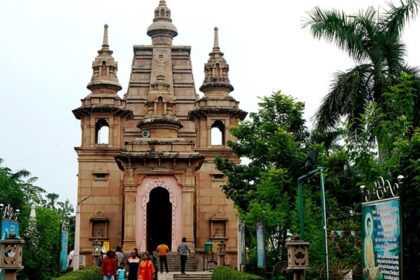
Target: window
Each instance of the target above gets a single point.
(100, 176)
(218, 133)
(99, 226)
(101, 132)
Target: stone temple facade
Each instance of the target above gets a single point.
(146, 173)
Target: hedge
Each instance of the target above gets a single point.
(229, 273)
(90, 273)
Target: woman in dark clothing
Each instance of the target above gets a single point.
(133, 265)
(154, 261)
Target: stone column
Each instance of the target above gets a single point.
(188, 213)
(130, 192)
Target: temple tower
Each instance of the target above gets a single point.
(154, 179)
(103, 116)
(214, 114)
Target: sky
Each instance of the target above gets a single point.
(47, 48)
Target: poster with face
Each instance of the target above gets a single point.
(381, 240)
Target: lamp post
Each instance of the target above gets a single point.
(75, 261)
(323, 208)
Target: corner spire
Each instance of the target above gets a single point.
(216, 47)
(216, 71)
(104, 68)
(105, 44)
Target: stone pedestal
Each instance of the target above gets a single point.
(11, 257)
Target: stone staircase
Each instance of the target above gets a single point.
(201, 276)
(174, 262)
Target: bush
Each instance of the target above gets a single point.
(228, 273)
(91, 273)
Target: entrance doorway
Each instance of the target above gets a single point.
(159, 219)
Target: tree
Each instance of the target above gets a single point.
(52, 198)
(18, 187)
(264, 190)
(374, 42)
(394, 122)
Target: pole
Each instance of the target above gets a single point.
(75, 261)
(324, 222)
(300, 209)
(324, 213)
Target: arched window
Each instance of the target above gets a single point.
(103, 69)
(101, 132)
(160, 107)
(217, 71)
(218, 133)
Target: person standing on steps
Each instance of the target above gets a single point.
(163, 250)
(154, 261)
(183, 249)
(146, 268)
(133, 263)
(109, 266)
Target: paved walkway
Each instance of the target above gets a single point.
(170, 275)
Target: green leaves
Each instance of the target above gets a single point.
(374, 42)
(264, 189)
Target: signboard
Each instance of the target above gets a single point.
(9, 229)
(260, 246)
(64, 244)
(106, 246)
(381, 239)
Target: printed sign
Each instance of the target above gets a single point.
(9, 229)
(106, 246)
(260, 246)
(64, 244)
(381, 240)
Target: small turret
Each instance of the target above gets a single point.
(216, 70)
(162, 30)
(104, 68)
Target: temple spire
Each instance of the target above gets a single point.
(105, 44)
(216, 71)
(104, 68)
(162, 30)
(216, 47)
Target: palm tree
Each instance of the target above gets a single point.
(373, 41)
(52, 197)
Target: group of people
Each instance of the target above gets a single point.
(114, 266)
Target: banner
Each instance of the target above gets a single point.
(381, 240)
(64, 244)
(260, 246)
(9, 229)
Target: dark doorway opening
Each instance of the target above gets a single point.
(159, 219)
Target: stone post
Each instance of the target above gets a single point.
(297, 258)
(10, 243)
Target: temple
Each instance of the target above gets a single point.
(146, 170)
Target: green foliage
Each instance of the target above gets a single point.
(265, 188)
(373, 41)
(42, 246)
(393, 124)
(17, 188)
(228, 273)
(42, 236)
(91, 273)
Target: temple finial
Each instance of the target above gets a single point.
(216, 47)
(162, 3)
(105, 44)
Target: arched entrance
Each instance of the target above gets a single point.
(159, 219)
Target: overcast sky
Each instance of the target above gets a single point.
(47, 47)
